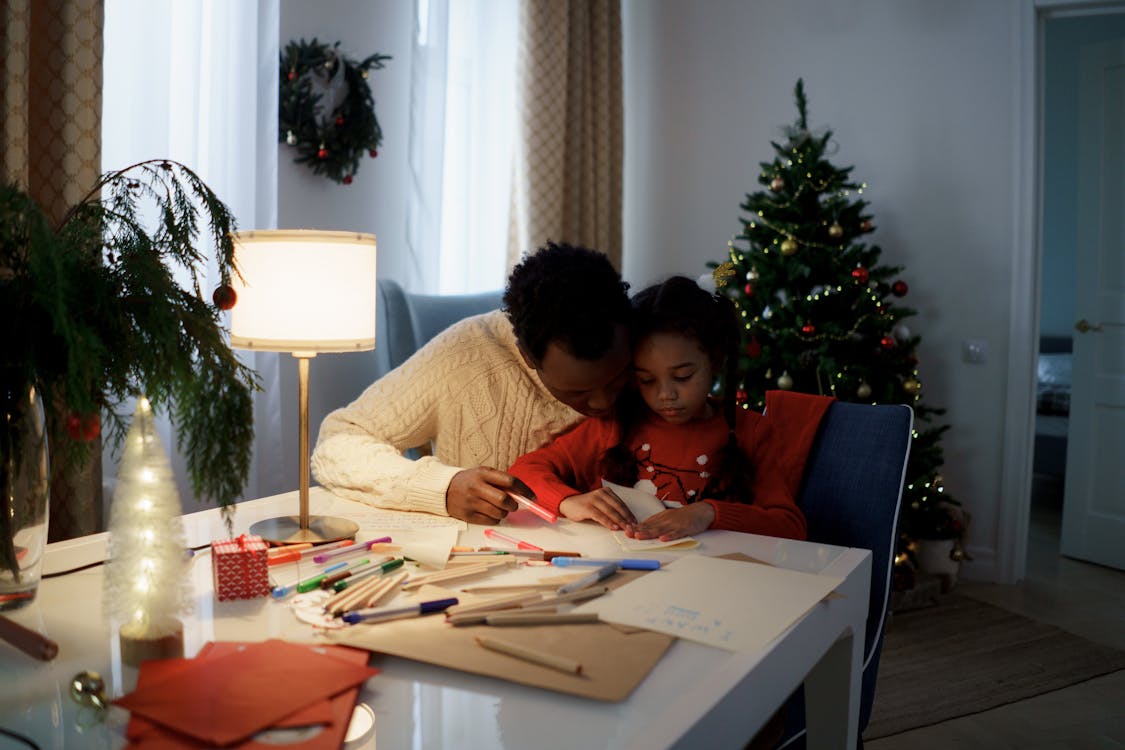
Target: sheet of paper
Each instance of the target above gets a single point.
(423, 536)
(728, 604)
(644, 505)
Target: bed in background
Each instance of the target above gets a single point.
(1052, 404)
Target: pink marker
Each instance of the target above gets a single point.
(518, 543)
(534, 507)
(362, 547)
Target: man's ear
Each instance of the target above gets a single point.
(526, 357)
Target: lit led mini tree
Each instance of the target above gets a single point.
(146, 582)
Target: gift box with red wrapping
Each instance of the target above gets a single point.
(240, 568)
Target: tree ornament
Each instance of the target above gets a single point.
(748, 290)
(887, 343)
(373, 153)
(754, 348)
(83, 428)
(776, 184)
(328, 108)
(788, 246)
(860, 274)
(901, 333)
(224, 297)
(863, 390)
(347, 179)
(836, 230)
(808, 329)
(785, 382)
(911, 386)
(865, 226)
(752, 274)
(899, 288)
(740, 396)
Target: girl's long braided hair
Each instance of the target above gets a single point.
(678, 305)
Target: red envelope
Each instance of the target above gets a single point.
(228, 698)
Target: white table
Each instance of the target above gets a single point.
(695, 697)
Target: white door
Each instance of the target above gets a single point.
(1093, 526)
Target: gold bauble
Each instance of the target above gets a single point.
(863, 391)
(836, 230)
(788, 246)
(911, 386)
(785, 382)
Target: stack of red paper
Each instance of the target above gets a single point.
(231, 692)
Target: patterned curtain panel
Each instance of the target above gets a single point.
(569, 159)
(50, 134)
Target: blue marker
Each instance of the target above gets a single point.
(382, 614)
(564, 562)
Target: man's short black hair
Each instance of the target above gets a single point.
(566, 294)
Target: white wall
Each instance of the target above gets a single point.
(920, 97)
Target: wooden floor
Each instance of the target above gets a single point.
(1087, 600)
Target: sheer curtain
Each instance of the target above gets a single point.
(196, 82)
(462, 138)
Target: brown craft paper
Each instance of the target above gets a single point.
(614, 660)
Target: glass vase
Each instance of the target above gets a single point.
(25, 498)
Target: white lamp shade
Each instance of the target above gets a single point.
(303, 290)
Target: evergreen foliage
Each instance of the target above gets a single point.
(107, 307)
(822, 314)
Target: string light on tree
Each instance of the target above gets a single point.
(146, 583)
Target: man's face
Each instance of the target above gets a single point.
(587, 386)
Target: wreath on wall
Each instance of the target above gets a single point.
(327, 113)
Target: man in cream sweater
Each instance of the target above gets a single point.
(485, 391)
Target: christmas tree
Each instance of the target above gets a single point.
(821, 313)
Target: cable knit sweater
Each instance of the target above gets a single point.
(468, 391)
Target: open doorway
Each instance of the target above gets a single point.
(1067, 36)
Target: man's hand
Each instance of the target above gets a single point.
(480, 495)
(601, 505)
(675, 523)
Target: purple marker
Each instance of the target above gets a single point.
(326, 556)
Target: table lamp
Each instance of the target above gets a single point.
(304, 292)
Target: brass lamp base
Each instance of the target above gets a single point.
(287, 529)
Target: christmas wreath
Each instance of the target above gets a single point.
(327, 112)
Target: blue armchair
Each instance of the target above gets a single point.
(851, 495)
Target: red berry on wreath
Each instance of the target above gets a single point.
(339, 120)
(322, 153)
(224, 297)
(808, 329)
(899, 288)
(887, 342)
(347, 179)
(860, 274)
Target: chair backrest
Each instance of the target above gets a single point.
(406, 321)
(850, 496)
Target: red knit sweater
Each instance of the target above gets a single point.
(678, 459)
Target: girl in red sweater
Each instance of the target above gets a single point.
(714, 464)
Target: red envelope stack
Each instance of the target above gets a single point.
(240, 568)
(236, 695)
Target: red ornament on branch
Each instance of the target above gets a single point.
(83, 428)
(339, 121)
(754, 348)
(860, 274)
(887, 342)
(224, 297)
(899, 288)
(347, 179)
(372, 153)
(322, 153)
(808, 329)
(749, 290)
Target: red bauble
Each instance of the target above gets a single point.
(740, 396)
(83, 428)
(753, 349)
(899, 288)
(865, 226)
(887, 342)
(339, 120)
(372, 153)
(292, 75)
(347, 179)
(322, 153)
(860, 274)
(749, 290)
(808, 329)
(224, 297)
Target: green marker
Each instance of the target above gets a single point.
(376, 570)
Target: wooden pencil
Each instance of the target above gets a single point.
(527, 653)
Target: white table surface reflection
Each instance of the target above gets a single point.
(695, 697)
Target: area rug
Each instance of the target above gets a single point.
(964, 656)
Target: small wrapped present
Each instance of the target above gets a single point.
(240, 568)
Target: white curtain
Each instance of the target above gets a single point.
(196, 82)
(462, 136)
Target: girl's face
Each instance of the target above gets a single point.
(674, 376)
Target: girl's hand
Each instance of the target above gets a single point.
(601, 505)
(675, 523)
